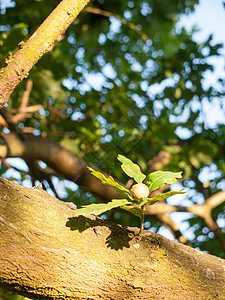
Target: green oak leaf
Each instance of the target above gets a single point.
(131, 169)
(110, 181)
(158, 179)
(163, 196)
(99, 208)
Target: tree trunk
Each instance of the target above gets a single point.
(46, 253)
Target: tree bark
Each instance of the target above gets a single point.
(18, 65)
(46, 253)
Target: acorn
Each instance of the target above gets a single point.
(139, 190)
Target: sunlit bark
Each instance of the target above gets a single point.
(46, 253)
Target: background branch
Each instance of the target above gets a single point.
(108, 14)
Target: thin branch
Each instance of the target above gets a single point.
(26, 95)
(21, 115)
(172, 226)
(216, 199)
(57, 112)
(159, 161)
(9, 122)
(27, 109)
(35, 172)
(108, 14)
(213, 226)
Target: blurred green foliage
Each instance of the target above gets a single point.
(9, 296)
(122, 94)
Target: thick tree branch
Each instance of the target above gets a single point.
(58, 158)
(48, 254)
(75, 169)
(18, 65)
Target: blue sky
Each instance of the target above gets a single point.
(209, 18)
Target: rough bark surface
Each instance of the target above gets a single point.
(46, 253)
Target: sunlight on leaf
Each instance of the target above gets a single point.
(160, 178)
(131, 169)
(154, 181)
(163, 196)
(99, 208)
(110, 181)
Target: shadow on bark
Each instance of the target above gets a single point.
(118, 238)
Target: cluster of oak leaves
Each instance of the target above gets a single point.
(137, 196)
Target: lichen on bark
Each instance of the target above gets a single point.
(48, 253)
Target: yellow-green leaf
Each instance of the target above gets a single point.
(160, 178)
(131, 169)
(110, 181)
(163, 196)
(99, 208)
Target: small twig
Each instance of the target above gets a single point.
(26, 95)
(57, 112)
(213, 226)
(142, 218)
(172, 226)
(8, 117)
(32, 108)
(129, 184)
(108, 14)
(159, 161)
(141, 223)
(28, 129)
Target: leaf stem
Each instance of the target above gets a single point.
(142, 222)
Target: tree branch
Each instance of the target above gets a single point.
(26, 95)
(48, 254)
(108, 14)
(58, 158)
(18, 65)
